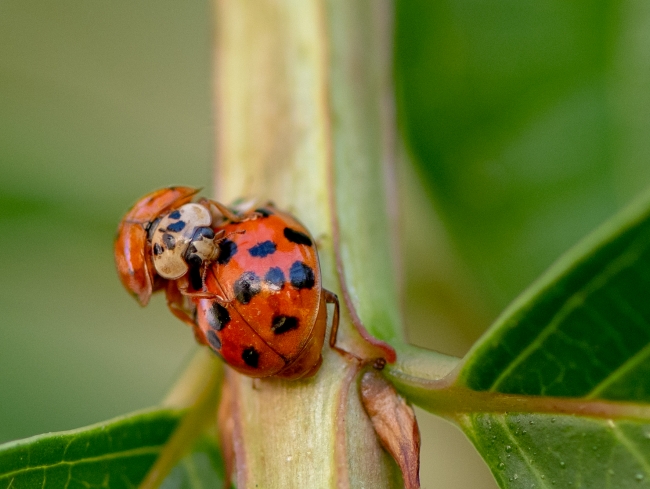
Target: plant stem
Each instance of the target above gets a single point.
(304, 118)
(198, 391)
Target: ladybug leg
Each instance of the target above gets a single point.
(332, 298)
(176, 305)
(206, 295)
(259, 213)
(245, 214)
(182, 286)
(223, 238)
(223, 210)
(209, 295)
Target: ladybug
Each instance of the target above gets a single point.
(160, 239)
(269, 313)
(247, 281)
(132, 247)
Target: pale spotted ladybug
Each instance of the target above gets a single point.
(162, 238)
(180, 238)
(132, 249)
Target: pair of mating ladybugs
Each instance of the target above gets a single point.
(247, 281)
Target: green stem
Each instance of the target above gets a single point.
(429, 380)
(303, 105)
(198, 390)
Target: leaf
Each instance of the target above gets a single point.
(528, 450)
(544, 385)
(198, 390)
(527, 120)
(581, 330)
(203, 468)
(113, 454)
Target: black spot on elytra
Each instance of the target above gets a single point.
(246, 287)
(227, 249)
(218, 316)
(282, 324)
(297, 237)
(175, 215)
(169, 241)
(264, 212)
(175, 227)
(274, 278)
(157, 249)
(265, 248)
(251, 357)
(214, 340)
(196, 280)
(203, 232)
(301, 275)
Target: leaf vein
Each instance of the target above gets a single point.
(628, 310)
(628, 257)
(510, 434)
(625, 441)
(150, 450)
(626, 367)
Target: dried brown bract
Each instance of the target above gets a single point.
(395, 424)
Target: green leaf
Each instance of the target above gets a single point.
(539, 394)
(581, 330)
(527, 119)
(113, 454)
(528, 450)
(203, 468)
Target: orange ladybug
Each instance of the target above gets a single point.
(133, 250)
(269, 313)
(247, 282)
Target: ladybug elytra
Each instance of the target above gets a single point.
(273, 319)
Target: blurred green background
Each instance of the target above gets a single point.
(525, 126)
